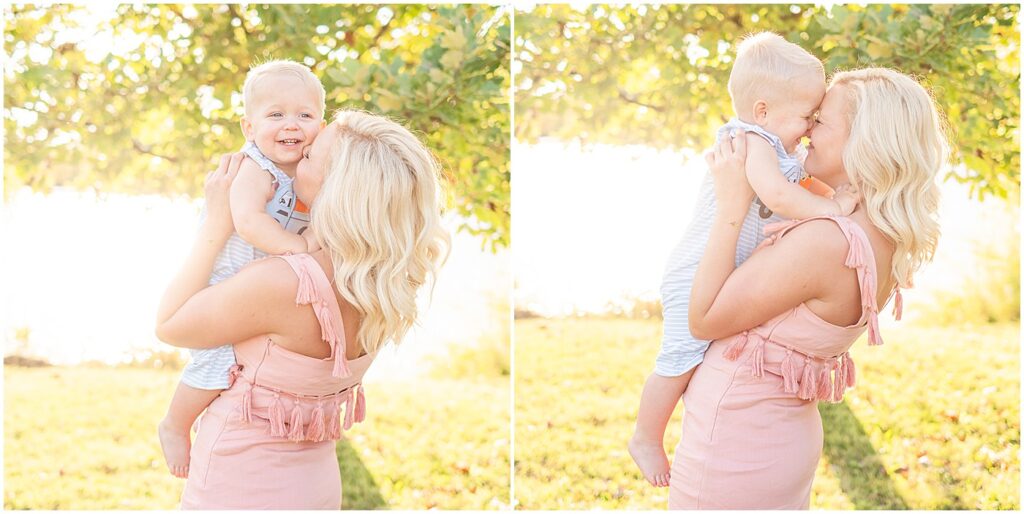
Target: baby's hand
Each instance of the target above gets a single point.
(312, 244)
(847, 198)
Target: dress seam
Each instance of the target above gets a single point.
(220, 433)
(714, 427)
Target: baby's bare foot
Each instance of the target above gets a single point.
(651, 459)
(176, 446)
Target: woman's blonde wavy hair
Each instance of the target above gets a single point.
(896, 147)
(378, 217)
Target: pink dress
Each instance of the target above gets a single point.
(752, 434)
(268, 441)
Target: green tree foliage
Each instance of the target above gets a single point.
(657, 75)
(144, 98)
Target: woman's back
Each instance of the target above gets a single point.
(269, 439)
(771, 377)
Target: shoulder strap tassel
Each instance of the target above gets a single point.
(296, 433)
(316, 430)
(340, 364)
(736, 348)
(276, 414)
(307, 292)
(874, 336)
(328, 330)
(855, 259)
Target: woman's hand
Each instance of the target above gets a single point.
(727, 161)
(217, 189)
(210, 239)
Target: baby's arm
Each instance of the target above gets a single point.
(781, 196)
(250, 192)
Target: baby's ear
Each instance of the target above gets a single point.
(760, 111)
(246, 128)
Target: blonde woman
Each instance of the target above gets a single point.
(784, 321)
(307, 326)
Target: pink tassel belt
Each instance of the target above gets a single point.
(324, 422)
(807, 377)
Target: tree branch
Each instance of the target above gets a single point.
(148, 150)
(377, 36)
(631, 98)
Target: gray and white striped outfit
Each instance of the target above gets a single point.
(208, 368)
(680, 351)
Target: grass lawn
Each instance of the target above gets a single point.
(85, 438)
(934, 422)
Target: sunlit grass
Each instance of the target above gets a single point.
(932, 424)
(84, 438)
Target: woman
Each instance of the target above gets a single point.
(308, 325)
(783, 321)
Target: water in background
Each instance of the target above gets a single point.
(595, 225)
(83, 273)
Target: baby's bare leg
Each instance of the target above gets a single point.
(657, 402)
(175, 429)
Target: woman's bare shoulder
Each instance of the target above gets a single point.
(273, 276)
(817, 239)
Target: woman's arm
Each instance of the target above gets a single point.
(725, 300)
(259, 299)
(193, 315)
(213, 234)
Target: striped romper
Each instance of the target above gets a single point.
(680, 352)
(208, 368)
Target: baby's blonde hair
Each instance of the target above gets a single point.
(279, 67)
(378, 217)
(766, 67)
(896, 147)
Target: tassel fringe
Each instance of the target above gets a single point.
(316, 431)
(789, 373)
(839, 384)
(360, 405)
(824, 383)
(333, 421)
(350, 410)
(757, 361)
(296, 432)
(307, 292)
(849, 370)
(277, 427)
(808, 386)
(735, 349)
(874, 337)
